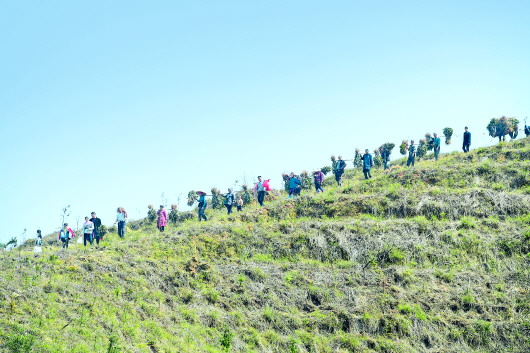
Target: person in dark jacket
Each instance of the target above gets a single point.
(318, 178)
(97, 224)
(339, 170)
(368, 162)
(412, 154)
(230, 200)
(294, 185)
(202, 205)
(467, 140)
(436, 145)
(38, 241)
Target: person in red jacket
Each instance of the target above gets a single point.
(65, 234)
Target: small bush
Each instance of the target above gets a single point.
(467, 223)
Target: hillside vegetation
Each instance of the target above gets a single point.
(433, 258)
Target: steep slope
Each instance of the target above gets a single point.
(433, 258)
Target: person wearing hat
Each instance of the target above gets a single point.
(202, 205)
(65, 234)
(162, 218)
(467, 140)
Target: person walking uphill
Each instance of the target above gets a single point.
(339, 170)
(121, 219)
(97, 224)
(467, 140)
(260, 188)
(38, 241)
(318, 178)
(230, 200)
(412, 154)
(294, 185)
(385, 156)
(202, 205)
(368, 163)
(436, 146)
(88, 229)
(65, 234)
(162, 219)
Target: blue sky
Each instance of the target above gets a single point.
(106, 104)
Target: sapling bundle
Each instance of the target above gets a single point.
(378, 161)
(151, 213)
(333, 166)
(503, 126)
(325, 170)
(306, 180)
(216, 199)
(403, 148)
(448, 133)
(192, 195)
(421, 151)
(357, 161)
(387, 147)
(285, 178)
(429, 141)
(173, 215)
(246, 194)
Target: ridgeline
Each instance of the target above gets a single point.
(434, 258)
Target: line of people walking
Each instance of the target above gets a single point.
(90, 229)
(91, 225)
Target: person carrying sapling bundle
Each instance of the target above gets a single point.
(436, 146)
(412, 154)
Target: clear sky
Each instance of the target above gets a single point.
(112, 103)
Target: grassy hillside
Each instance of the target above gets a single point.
(433, 258)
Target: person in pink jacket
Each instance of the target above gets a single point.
(65, 234)
(162, 218)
